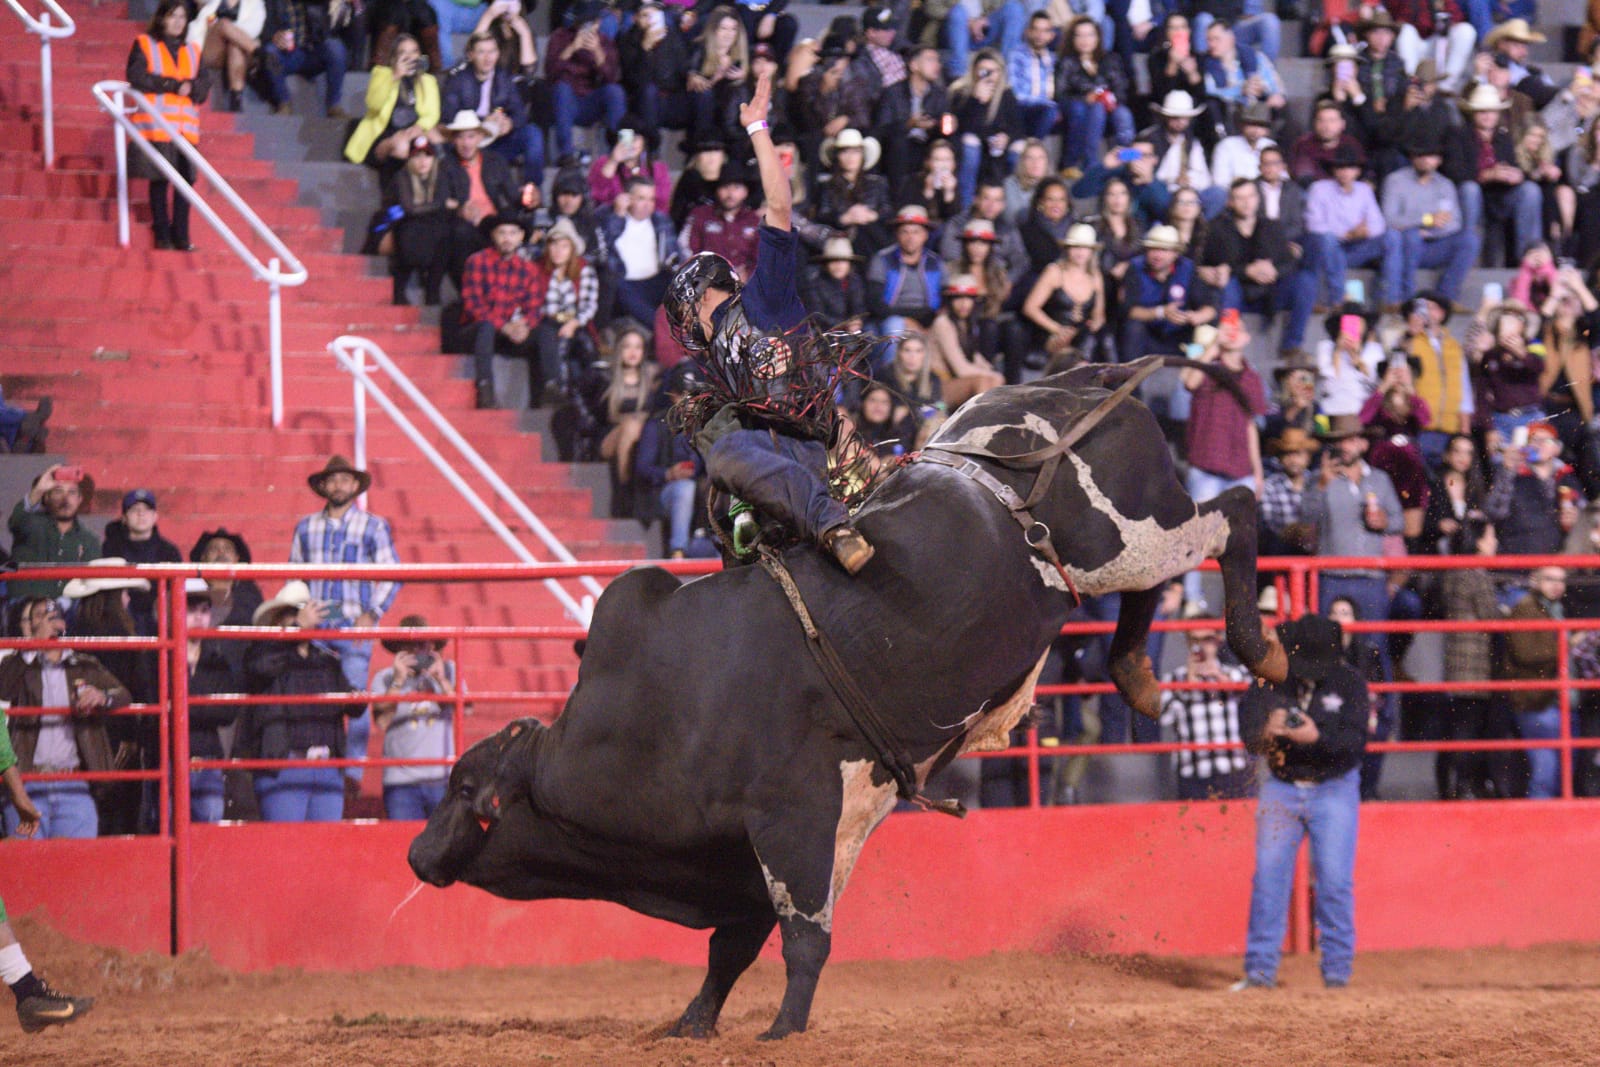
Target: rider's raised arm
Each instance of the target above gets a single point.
(774, 182)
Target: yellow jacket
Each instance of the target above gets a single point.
(1441, 382)
(383, 92)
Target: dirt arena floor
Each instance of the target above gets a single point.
(1493, 1006)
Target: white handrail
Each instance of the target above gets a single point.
(351, 353)
(114, 97)
(47, 32)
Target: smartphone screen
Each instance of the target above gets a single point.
(1351, 326)
(1344, 70)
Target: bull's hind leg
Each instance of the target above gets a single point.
(734, 948)
(1129, 663)
(1238, 559)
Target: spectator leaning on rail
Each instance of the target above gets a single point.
(54, 744)
(1312, 731)
(46, 529)
(1207, 716)
(1533, 500)
(420, 728)
(1533, 654)
(288, 730)
(136, 537)
(210, 673)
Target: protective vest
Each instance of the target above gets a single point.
(175, 108)
(1439, 382)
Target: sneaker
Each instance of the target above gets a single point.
(1335, 983)
(848, 547)
(1244, 985)
(49, 1008)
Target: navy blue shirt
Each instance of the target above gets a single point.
(771, 297)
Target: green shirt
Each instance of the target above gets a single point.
(8, 758)
(35, 538)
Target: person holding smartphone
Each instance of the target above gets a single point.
(487, 90)
(1311, 731)
(420, 728)
(403, 104)
(45, 526)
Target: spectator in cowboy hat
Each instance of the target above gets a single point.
(1284, 529)
(1437, 33)
(1164, 300)
(136, 537)
(1511, 39)
(1010, 251)
(1296, 400)
(1345, 228)
(1379, 69)
(1501, 193)
(46, 528)
(834, 290)
(1353, 506)
(851, 199)
(1442, 377)
(905, 280)
(1207, 716)
(501, 303)
(419, 728)
(211, 671)
(1312, 732)
(1180, 154)
(477, 184)
(1422, 207)
(287, 730)
(729, 226)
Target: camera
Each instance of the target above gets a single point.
(424, 660)
(1294, 720)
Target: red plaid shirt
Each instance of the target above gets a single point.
(493, 287)
(1219, 427)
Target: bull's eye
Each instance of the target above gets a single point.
(465, 790)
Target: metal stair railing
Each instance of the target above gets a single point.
(114, 97)
(47, 31)
(351, 353)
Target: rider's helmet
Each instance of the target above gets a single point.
(704, 270)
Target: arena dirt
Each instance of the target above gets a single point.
(1492, 1006)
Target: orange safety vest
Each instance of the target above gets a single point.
(175, 108)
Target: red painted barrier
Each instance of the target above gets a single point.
(1158, 878)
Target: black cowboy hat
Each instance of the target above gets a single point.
(1330, 325)
(1314, 644)
(408, 646)
(732, 173)
(1344, 156)
(339, 465)
(491, 223)
(1429, 144)
(239, 547)
(1432, 296)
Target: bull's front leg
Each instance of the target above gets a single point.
(734, 948)
(806, 944)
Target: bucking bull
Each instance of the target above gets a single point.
(707, 771)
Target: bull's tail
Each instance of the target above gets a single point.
(1112, 375)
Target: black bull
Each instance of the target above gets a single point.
(702, 771)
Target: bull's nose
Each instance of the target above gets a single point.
(425, 868)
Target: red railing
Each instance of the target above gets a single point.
(1296, 578)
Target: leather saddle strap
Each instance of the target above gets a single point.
(857, 707)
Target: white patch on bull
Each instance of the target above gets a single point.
(988, 730)
(863, 806)
(1150, 554)
(783, 903)
(977, 437)
(1034, 423)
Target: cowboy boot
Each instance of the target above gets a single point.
(848, 547)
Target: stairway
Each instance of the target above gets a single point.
(158, 365)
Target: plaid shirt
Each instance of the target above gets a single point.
(493, 287)
(581, 300)
(1202, 716)
(360, 537)
(1280, 502)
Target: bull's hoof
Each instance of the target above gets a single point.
(1274, 666)
(695, 1029)
(780, 1030)
(1137, 684)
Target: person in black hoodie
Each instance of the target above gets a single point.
(210, 672)
(1312, 732)
(136, 537)
(291, 730)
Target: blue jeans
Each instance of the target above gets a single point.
(301, 794)
(1328, 812)
(606, 104)
(415, 801)
(1544, 764)
(1295, 290)
(677, 501)
(1453, 256)
(1004, 34)
(1039, 117)
(525, 143)
(453, 18)
(1086, 129)
(665, 110)
(783, 477)
(1331, 257)
(205, 796)
(970, 166)
(66, 810)
(1481, 14)
(1522, 205)
(328, 59)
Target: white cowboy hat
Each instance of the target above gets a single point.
(465, 120)
(1177, 104)
(1164, 236)
(294, 594)
(1081, 235)
(1513, 30)
(565, 228)
(1484, 98)
(79, 588)
(852, 138)
(1341, 51)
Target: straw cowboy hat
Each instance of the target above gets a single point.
(1293, 439)
(565, 229)
(1484, 98)
(79, 588)
(979, 230)
(294, 594)
(412, 621)
(837, 248)
(912, 215)
(1300, 360)
(338, 465)
(1080, 235)
(1341, 51)
(1513, 30)
(1380, 19)
(1177, 104)
(1196, 611)
(1427, 71)
(1164, 236)
(852, 138)
(1340, 427)
(962, 285)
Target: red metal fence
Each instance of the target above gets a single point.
(1296, 578)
